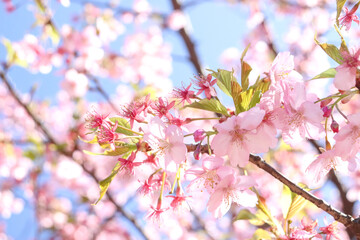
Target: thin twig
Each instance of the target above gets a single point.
(190, 46)
(69, 154)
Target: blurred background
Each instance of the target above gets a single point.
(60, 57)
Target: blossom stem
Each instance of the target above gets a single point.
(175, 180)
(162, 186)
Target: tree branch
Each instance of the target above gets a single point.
(190, 46)
(350, 223)
(69, 154)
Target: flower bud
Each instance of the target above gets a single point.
(199, 135)
(334, 126)
(325, 102)
(327, 111)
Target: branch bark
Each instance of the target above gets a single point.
(349, 222)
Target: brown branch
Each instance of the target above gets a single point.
(190, 46)
(347, 205)
(69, 154)
(350, 223)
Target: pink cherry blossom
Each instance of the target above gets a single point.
(237, 137)
(232, 189)
(156, 214)
(282, 69)
(205, 84)
(94, 120)
(348, 138)
(349, 16)
(346, 73)
(108, 135)
(300, 118)
(166, 141)
(128, 164)
(133, 111)
(209, 175)
(184, 94)
(179, 200)
(323, 164)
(162, 107)
(331, 230)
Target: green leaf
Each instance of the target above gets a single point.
(224, 79)
(261, 85)
(245, 71)
(285, 200)
(11, 56)
(339, 5)
(249, 99)
(255, 99)
(92, 141)
(104, 184)
(254, 219)
(52, 33)
(261, 234)
(297, 203)
(119, 150)
(31, 154)
(212, 105)
(330, 73)
(331, 50)
(236, 91)
(123, 123)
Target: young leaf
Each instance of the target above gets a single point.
(123, 123)
(249, 99)
(104, 184)
(331, 50)
(245, 69)
(339, 5)
(330, 73)
(224, 79)
(261, 234)
(297, 203)
(52, 33)
(92, 141)
(212, 105)
(11, 56)
(236, 95)
(261, 85)
(255, 99)
(257, 219)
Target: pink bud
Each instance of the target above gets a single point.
(197, 152)
(334, 126)
(325, 102)
(327, 111)
(199, 135)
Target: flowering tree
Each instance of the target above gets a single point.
(265, 147)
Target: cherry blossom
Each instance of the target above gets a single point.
(346, 73)
(231, 189)
(348, 17)
(205, 84)
(237, 137)
(166, 141)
